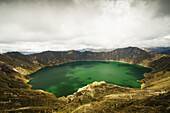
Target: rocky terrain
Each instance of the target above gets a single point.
(16, 95)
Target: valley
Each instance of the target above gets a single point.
(16, 94)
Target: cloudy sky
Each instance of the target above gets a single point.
(40, 25)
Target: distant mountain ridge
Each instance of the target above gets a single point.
(158, 50)
(95, 50)
(124, 54)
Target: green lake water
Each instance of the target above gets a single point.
(66, 78)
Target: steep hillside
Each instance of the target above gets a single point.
(159, 78)
(16, 94)
(131, 54)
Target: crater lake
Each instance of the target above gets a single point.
(67, 78)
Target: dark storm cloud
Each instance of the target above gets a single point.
(164, 9)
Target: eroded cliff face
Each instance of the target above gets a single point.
(15, 91)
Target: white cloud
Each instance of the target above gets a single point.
(39, 26)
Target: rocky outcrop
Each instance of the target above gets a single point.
(100, 97)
